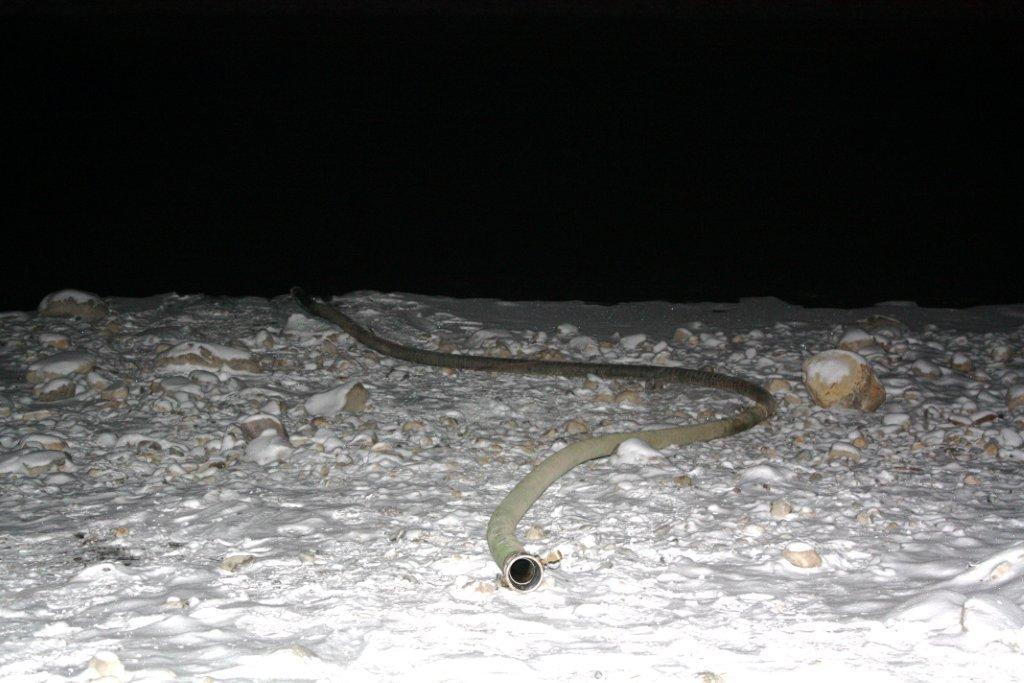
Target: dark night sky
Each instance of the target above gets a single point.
(826, 154)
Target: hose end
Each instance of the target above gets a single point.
(522, 572)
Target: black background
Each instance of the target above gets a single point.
(828, 154)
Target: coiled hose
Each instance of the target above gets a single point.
(520, 570)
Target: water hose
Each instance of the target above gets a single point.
(521, 570)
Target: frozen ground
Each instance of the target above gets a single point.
(143, 530)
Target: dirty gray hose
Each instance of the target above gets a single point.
(520, 570)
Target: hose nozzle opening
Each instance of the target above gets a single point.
(523, 572)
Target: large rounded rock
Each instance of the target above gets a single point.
(72, 303)
(844, 379)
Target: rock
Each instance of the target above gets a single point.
(802, 555)
(105, 665)
(355, 399)
(844, 379)
(635, 452)
(627, 396)
(1001, 353)
(844, 452)
(575, 426)
(72, 303)
(188, 356)
(972, 480)
(960, 362)
(778, 385)
(253, 426)
(232, 563)
(55, 390)
(683, 481)
(1015, 397)
(116, 392)
(534, 533)
(585, 346)
(350, 397)
(45, 442)
(630, 342)
(413, 426)
(55, 341)
(923, 368)
(681, 335)
(31, 462)
(267, 449)
(855, 339)
(97, 381)
(61, 364)
(780, 508)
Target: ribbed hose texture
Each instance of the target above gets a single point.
(505, 547)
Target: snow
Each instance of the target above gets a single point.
(147, 537)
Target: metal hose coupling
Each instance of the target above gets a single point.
(522, 572)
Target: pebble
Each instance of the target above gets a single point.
(627, 397)
(116, 392)
(780, 508)
(923, 368)
(253, 426)
(960, 362)
(575, 426)
(232, 563)
(802, 555)
(635, 452)
(632, 341)
(105, 665)
(855, 339)
(1001, 353)
(59, 342)
(268, 449)
(1015, 397)
(55, 390)
(844, 452)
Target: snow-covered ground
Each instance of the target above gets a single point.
(185, 491)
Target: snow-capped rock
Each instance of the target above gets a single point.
(844, 379)
(350, 397)
(188, 356)
(855, 340)
(269, 448)
(55, 390)
(60, 364)
(31, 462)
(1015, 397)
(802, 555)
(72, 303)
(256, 425)
(635, 452)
